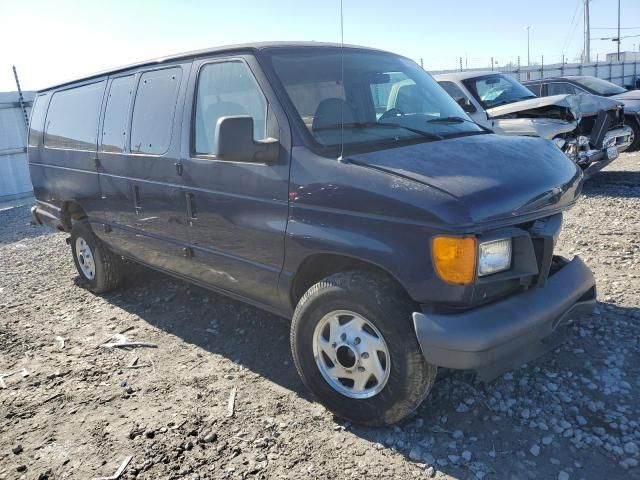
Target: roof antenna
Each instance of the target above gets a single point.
(341, 157)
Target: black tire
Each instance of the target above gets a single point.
(108, 267)
(384, 303)
(635, 126)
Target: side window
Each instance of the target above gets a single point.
(536, 88)
(72, 119)
(560, 88)
(114, 127)
(226, 89)
(36, 123)
(454, 91)
(153, 111)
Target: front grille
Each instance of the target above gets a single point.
(587, 124)
(543, 234)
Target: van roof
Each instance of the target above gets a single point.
(207, 51)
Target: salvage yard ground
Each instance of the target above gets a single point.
(220, 398)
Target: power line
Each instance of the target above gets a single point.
(616, 38)
(615, 28)
(570, 32)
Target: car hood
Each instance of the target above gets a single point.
(486, 177)
(629, 95)
(630, 99)
(579, 105)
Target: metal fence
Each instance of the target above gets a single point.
(625, 74)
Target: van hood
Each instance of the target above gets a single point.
(577, 105)
(487, 176)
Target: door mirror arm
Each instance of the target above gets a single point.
(235, 142)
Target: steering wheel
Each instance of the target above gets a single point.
(392, 112)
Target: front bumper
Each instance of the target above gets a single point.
(506, 329)
(594, 160)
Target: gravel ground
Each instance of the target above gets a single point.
(82, 410)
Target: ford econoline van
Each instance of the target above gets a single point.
(398, 235)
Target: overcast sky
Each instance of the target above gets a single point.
(54, 40)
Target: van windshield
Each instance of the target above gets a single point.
(384, 99)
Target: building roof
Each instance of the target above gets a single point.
(256, 46)
(12, 98)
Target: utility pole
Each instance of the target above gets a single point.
(528, 47)
(21, 98)
(586, 58)
(618, 30)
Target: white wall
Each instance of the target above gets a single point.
(14, 171)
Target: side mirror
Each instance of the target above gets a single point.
(466, 105)
(235, 142)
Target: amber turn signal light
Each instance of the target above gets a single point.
(454, 259)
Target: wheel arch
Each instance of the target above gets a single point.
(69, 211)
(317, 266)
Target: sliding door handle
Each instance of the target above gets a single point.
(192, 213)
(137, 205)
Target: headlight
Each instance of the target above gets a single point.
(559, 142)
(494, 256)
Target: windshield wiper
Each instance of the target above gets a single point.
(336, 126)
(458, 120)
(450, 120)
(433, 136)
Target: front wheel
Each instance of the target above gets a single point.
(99, 268)
(635, 137)
(355, 348)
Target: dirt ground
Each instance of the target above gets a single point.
(82, 409)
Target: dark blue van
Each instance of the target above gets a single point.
(338, 186)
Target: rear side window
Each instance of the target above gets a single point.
(36, 123)
(153, 111)
(114, 127)
(72, 119)
(226, 89)
(560, 88)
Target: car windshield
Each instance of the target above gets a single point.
(384, 99)
(599, 86)
(497, 89)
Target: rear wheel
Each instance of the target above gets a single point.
(355, 348)
(99, 268)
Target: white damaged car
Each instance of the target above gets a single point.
(588, 129)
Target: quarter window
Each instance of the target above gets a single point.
(154, 110)
(226, 89)
(114, 127)
(72, 119)
(36, 122)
